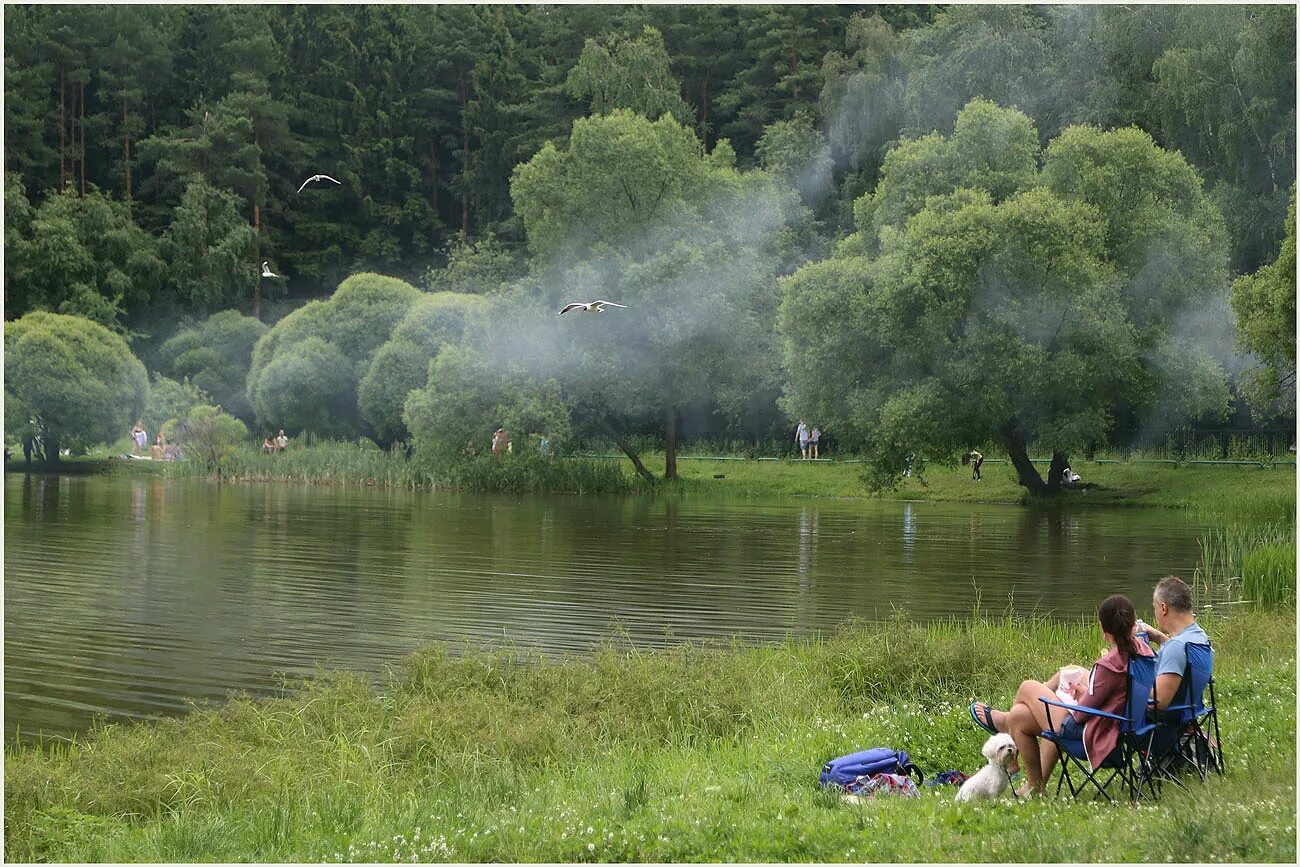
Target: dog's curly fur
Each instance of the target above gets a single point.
(994, 778)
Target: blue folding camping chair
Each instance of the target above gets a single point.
(1188, 735)
(1130, 761)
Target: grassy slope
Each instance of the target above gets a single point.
(683, 755)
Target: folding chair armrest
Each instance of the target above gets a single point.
(1078, 707)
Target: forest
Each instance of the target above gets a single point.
(810, 209)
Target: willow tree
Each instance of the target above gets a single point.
(306, 370)
(635, 212)
(984, 299)
(69, 381)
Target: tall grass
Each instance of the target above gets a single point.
(696, 753)
(363, 463)
(1247, 563)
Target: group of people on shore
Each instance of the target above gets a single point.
(809, 441)
(161, 450)
(1105, 686)
(277, 443)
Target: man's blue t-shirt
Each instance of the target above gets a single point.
(1172, 658)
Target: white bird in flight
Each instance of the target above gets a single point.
(590, 306)
(266, 270)
(315, 178)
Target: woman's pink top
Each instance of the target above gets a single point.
(1107, 690)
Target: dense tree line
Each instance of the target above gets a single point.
(704, 162)
(196, 124)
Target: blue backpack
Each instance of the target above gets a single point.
(880, 760)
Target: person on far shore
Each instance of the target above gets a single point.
(801, 437)
(159, 445)
(500, 441)
(140, 438)
(281, 441)
(268, 446)
(814, 440)
(976, 460)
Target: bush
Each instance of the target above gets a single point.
(69, 381)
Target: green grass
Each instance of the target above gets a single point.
(690, 754)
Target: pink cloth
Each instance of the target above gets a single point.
(1107, 690)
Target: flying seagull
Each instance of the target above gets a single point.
(315, 178)
(266, 270)
(590, 306)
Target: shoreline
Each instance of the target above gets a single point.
(1137, 483)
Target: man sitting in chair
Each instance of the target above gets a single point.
(1172, 602)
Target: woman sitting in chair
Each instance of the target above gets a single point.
(1105, 689)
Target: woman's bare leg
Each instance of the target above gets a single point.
(1027, 719)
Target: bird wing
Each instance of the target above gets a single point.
(574, 306)
(328, 178)
(610, 304)
(305, 183)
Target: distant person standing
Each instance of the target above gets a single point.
(814, 440)
(281, 441)
(159, 445)
(140, 438)
(500, 441)
(976, 461)
(801, 437)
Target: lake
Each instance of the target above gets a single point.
(127, 597)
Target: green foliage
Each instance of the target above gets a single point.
(215, 355)
(212, 250)
(81, 256)
(209, 436)
(1266, 315)
(306, 370)
(170, 403)
(401, 365)
(477, 267)
(999, 309)
(628, 73)
(621, 176)
(70, 381)
(796, 150)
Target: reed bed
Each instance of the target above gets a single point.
(1253, 564)
(333, 462)
(695, 753)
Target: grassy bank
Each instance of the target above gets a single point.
(690, 754)
(1240, 492)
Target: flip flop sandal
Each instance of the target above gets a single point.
(987, 722)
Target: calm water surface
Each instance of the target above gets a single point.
(129, 597)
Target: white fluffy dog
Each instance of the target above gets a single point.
(994, 777)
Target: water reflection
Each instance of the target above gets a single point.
(133, 596)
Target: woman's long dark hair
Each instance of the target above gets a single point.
(1117, 617)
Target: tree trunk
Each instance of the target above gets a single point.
(83, 139)
(670, 442)
(72, 135)
(126, 155)
(1025, 470)
(433, 177)
(464, 166)
(626, 449)
(50, 447)
(1060, 460)
(257, 232)
(704, 121)
(62, 130)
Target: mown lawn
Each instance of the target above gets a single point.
(690, 754)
